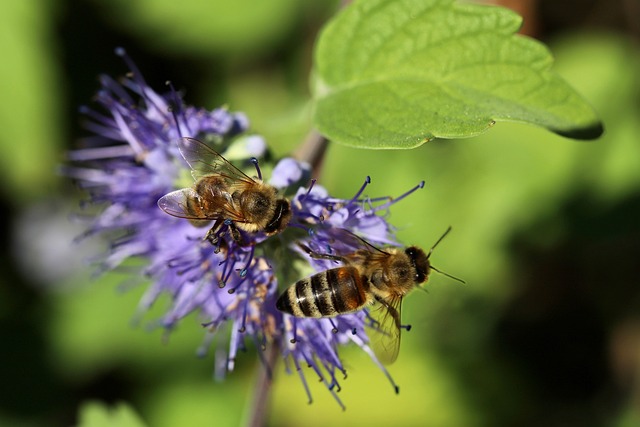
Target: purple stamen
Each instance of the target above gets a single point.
(179, 113)
(233, 348)
(373, 357)
(313, 182)
(203, 349)
(355, 198)
(243, 326)
(88, 154)
(121, 52)
(221, 361)
(397, 199)
(100, 118)
(323, 379)
(303, 379)
(335, 328)
(138, 84)
(294, 324)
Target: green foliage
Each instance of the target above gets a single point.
(97, 414)
(206, 26)
(30, 111)
(396, 74)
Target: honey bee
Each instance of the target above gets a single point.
(369, 275)
(224, 194)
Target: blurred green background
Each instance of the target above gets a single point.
(546, 231)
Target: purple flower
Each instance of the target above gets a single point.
(133, 160)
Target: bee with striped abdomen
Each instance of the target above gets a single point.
(368, 276)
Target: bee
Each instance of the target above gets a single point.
(369, 275)
(224, 194)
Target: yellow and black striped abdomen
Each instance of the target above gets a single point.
(326, 294)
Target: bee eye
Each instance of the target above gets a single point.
(416, 256)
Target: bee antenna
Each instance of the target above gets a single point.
(448, 275)
(255, 163)
(436, 243)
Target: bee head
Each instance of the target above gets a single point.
(420, 262)
(281, 217)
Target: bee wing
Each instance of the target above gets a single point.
(384, 332)
(205, 161)
(175, 203)
(352, 240)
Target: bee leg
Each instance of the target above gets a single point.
(212, 235)
(222, 246)
(316, 255)
(235, 234)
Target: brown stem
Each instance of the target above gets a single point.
(262, 390)
(528, 9)
(312, 151)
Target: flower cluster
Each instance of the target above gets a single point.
(133, 160)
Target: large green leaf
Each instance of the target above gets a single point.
(397, 73)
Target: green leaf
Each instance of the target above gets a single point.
(97, 414)
(396, 74)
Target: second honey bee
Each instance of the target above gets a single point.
(224, 194)
(368, 276)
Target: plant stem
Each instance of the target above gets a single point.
(262, 390)
(312, 151)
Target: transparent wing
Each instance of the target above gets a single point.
(355, 243)
(176, 204)
(205, 161)
(179, 203)
(384, 331)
